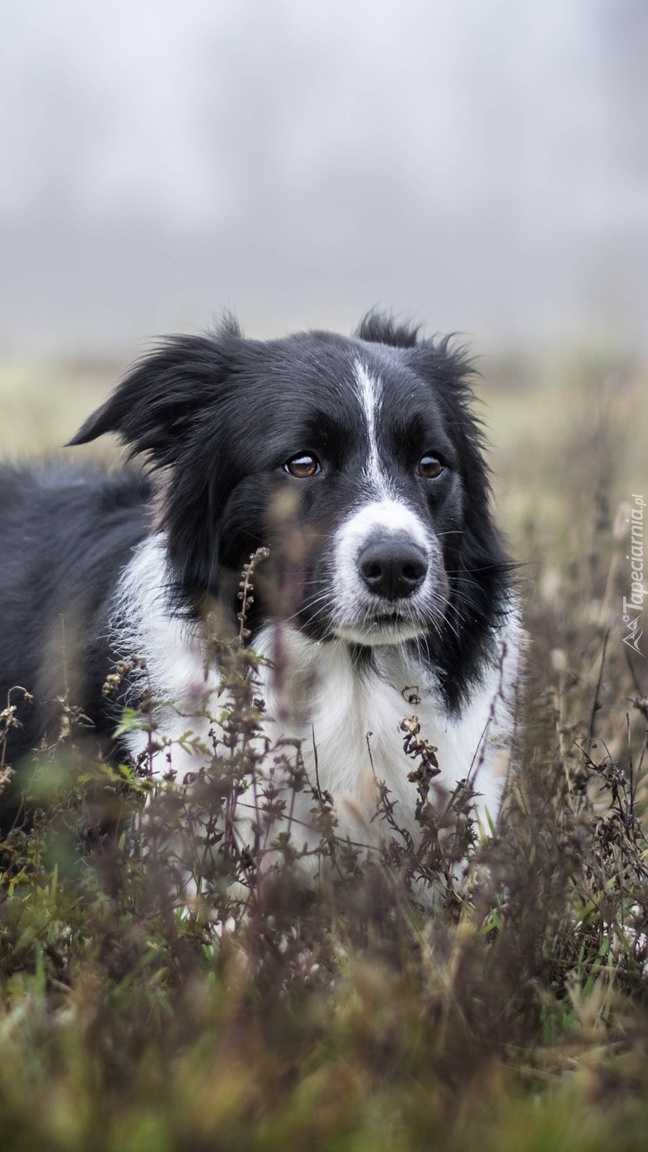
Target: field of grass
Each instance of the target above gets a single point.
(514, 1019)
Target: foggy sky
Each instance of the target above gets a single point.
(480, 166)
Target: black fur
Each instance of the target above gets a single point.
(65, 534)
(215, 417)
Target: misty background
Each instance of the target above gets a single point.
(480, 166)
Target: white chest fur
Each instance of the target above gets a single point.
(348, 718)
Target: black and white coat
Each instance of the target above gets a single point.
(358, 462)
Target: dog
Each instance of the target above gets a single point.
(358, 463)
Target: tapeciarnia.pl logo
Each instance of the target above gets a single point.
(633, 605)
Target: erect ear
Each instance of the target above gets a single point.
(154, 409)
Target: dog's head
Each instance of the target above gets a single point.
(356, 459)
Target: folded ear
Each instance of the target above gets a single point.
(154, 409)
(382, 328)
(480, 575)
(448, 368)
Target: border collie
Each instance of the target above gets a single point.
(358, 463)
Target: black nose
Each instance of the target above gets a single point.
(393, 568)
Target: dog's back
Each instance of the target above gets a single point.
(64, 534)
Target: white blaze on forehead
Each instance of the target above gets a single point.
(369, 393)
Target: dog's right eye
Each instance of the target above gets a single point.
(303, 466)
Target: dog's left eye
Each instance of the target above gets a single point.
(303, 466)
(429, 467)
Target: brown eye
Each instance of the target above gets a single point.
(429, 467)
(303, 466)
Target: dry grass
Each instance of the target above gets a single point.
(269, 1016)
